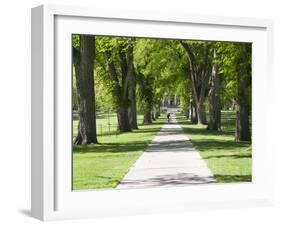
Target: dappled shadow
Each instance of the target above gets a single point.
(168, 179)
(108, 134)
(142, 129)
(160, 122)
(169, 131)
(183, 179)
(235, 156)
(154, 146)
(110, 147)
(116, 147)
(227, 128)
(218, 144)
(233, 178)
(201, 131)
(149, 130)
(105, 116)
(170, 146)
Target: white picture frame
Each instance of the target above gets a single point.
(52, 197)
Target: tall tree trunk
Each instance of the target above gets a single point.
(133, 115)
(133, 102)
(153, 116)
(120, 93)
(121, 86)
(159, 110)
(243, 76)
(146, 96)
(83, 59)
(199, 74)
(201, 112)
(147, 119)
(193, 113)
(187, 107)
(123, 119)
(242, 132)
(242, 123)
(214, 100)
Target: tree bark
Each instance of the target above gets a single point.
(243, 76)
(83, 59)
(123, 119)
(146, 96)
(153, 116)
(242, 132)
(214, 101)
(193, 113)
(147, 119)
(187, 109)
(133, 115)
(133, 103)
(242, 124)
(201, 112)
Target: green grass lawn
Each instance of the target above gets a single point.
(229, 161)
(103, 165)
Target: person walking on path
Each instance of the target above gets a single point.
(168, 116)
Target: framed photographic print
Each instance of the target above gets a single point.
(142, 112)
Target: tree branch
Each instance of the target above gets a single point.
(194, 82)
(111, 67)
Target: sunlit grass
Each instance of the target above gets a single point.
(103, 165)
(229, 161)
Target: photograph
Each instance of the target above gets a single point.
(154, 112)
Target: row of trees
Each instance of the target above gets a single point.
(133, 75)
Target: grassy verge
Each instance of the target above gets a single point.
(229, 161)
(103, 165)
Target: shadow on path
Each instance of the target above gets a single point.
(171, 179)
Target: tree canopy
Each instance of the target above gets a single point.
(144, 75)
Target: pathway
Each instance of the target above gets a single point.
(170, 159)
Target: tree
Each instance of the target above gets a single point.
(183, 91)
(117, 61)
(146, 97)
(83, 59)
(132, 88)
(199, 65)
(214, 98)
(243, 77)
(133, 102)
(145, 77)
(234, 61)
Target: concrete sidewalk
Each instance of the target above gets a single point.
(169, 160)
